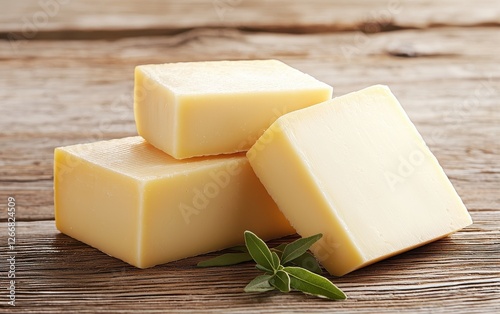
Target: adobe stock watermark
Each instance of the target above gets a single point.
(264, 140)
(11, 246)
(324, 248)
(375, 21)
(220, 179)
(31, 24)
(459, 113)
(224, 7)
(404, 168)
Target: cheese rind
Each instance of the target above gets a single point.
(192, 109)
(356, 169)
(133, 202)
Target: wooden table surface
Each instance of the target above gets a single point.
(67, 77)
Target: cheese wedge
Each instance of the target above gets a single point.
(134, 202)
(356, 169)
(208, 108)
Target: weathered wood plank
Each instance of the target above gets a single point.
(58, 19)
(66, 92)
(63, 94)
(56, 273)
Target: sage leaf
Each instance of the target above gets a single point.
(298, 247)
(262, 268)
(276, 260)
(279, 249)
(240, 248)
(259, 251)
(226, 259)
(281, 281)
(287, 267)
(307, 261)
(314, 284)
(260, 284)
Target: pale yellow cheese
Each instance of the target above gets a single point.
(136, 203)
(356, 169)
(207, 108)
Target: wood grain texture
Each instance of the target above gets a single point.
(91, 19)
(451, 97)
(440, 58)
(58, 273)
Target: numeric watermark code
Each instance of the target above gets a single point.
(11, 245)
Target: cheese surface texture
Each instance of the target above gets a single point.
(134, 202)
(208, 108)
(356, 169)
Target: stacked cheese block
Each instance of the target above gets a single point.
(184, 187)
(353, 168)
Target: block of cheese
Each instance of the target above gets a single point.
(208, 108)
(134, 202)
(356, 169)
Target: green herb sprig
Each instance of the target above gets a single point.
(287, 267)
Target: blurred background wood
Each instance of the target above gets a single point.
(66, 77)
